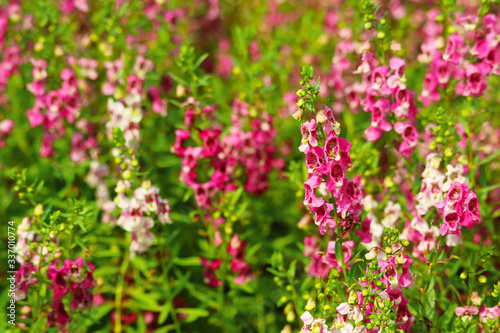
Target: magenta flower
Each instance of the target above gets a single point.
(429, 93)
(24, 279)
(311, 199)
(210, 267)
(322, 216)
(309, 133)
(442, 69)
(58, 316)
(409, 134)
(6, 127)
(466, 312)
(452, 52)
(489, 313)
(471, 205)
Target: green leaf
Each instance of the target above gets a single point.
(192, 314)
(488, 188)
(489, 158)
(164, 313)
(472, 329)
(448, 315)
(200, 60)
(338, 251)
(276, 272)
(141, 264)
(145, 300)
(316, 85)
(188, 261)
(291, 269)
(178, 79)
(430, 300)
(310, 105)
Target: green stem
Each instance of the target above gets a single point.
(118, 294)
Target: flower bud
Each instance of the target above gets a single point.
(180, 91)
(298, 115)
(311, 305)
(475, 298)
(127, 174)
(372, 254)
(388, 182)
(290, 316)
(462, 159)
(321, 117)
(353, 297)
(301, 92)
(400, 258)
(38, 210)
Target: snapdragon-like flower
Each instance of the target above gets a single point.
(252, 150)
(459, 208)
(239, 266)
(466, 312)
(138, 212)
(327, 163)
(210, 267)
(72, 279)
(24, 278)
(6, 127)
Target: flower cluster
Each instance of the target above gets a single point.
(322, 264)
(209, 267)
(137, 211)
(459, 209)
(251, 150)
(376, 300)
(24, 278)
(465, 68)
(242, 270)
(327, 161)
(73, 278)
(9, 63)
(52, 107)
(382, 91)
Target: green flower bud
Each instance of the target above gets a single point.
(38, 210)
(311, 305)
(127, 174)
